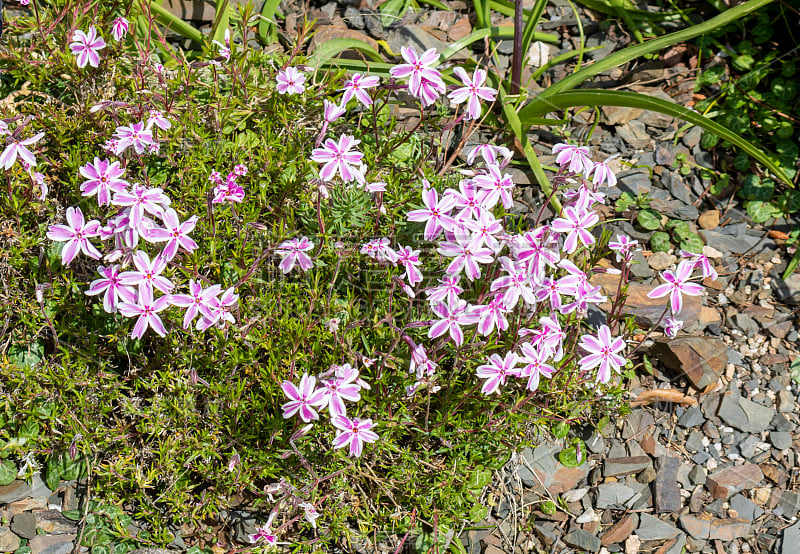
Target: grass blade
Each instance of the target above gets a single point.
(332, 48)
(593, 97)
(267, 28)
(539, 105)
(172, 21)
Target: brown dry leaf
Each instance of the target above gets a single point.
(775, 234)
(663, 395)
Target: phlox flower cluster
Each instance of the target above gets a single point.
(536, 273)
(339, 384)
(133, 283)
(228, 190)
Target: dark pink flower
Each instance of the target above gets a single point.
(677, 283)
(113, 288)
(103, 178)
(353, 433)
(303, 399)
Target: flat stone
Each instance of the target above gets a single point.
(701, 359)
(692, 417)
(17, 490)
(675, 209)
(787, 291)
(695, 441)
(785, 402)
(791, 538)
(780, 439)
(620, 531)
(9, 541)
(583, 540)
(619, 115)
(653, 529)
(725, 483)
(697, 475)
(661, 261)
(706, 527)
(667, 489)
(54, 523)
(613, 494)
(574, 495)
(646, 311)
(775, 474)
(744, 414)
(52, 544)
(547, 532)
(647, 476)
(789, 502)
(24, 525)
(745, 508)
(325, 33)
(540, 468)
(613, 467)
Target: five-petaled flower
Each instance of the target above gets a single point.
(76, 233)
(356, 87)
(304, 398)
(575, 223)
(293, 252)
(576, 156)
(103, 178)
(291, 81)
(603, 352)
(147, 309)
(112, 286)
(353, 433)
(85, 47)
(337, 157)
(19, 148)
(472, 92)
(497, 371)
(677, 283)
(424, 81)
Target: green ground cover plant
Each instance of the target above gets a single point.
(233, 279)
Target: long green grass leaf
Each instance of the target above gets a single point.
(606, 7)
(172, 21)
(513, 121)
(592, 97)
(222, 17)
(539, 105)
(267, 28)
(334, 47)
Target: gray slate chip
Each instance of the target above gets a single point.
(653, 529)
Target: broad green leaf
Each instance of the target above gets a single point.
(679, 228)
(73, 515)
(8, 472)
(543, 104)
(594, 97)
(794, 368)
(52, 474)
(478, 512)
(649, 219)
(26, 356)
(548, 506)
(692, 243)
(569, 456)
(332, 48)
(561, 430)
(437, 4)
(659, 242)
(761, 211)
(753, 188)
(479, 478)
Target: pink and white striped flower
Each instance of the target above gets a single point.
(424, 81)
(357, 87)
(290, 81)
(111, 285)
(303, 398)
(576, 156)
(103, 178)
(85, 47)
(496, 371)
(135, 135)
(353, 433)
(575, 224)
(337, 157)
(603, 353)
(677, 283)
(472, 92)
(148, 273)
(435, 214)
(19, 148)
(199, 300)
(76, 233)
(119, 28)
(293, 251)
(536, 365)
(174, 233)
(146, 308)
(452, 316)
(496, 186)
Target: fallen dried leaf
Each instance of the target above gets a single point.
(775, 234)
(663, 395)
